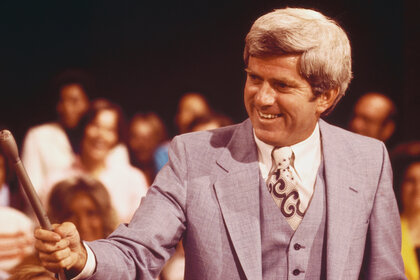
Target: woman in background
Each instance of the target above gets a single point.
(103, 128)
(85, 202)
(410, 218)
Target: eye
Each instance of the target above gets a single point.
(281, 85)
(254, 78)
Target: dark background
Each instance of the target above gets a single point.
(145, 55)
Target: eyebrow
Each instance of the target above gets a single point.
(285, 80)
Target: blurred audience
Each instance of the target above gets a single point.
(81, 200)
(191, 105)
(374, 116)
(16, 238)
(103, 128)
(210, 121)
(408, 179)
(146, 133)
(51, 147)
(85, 202)
(10, 193)
(32, 272)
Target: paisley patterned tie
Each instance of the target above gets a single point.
(282, 183)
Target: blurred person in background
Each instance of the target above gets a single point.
(10, 193)
(103, 129)
(85, 202)
(191, 105)
(51, 147)
(407, 176)
(374, 116)
(32, 272)
(146, 133)
(210, 121)
(16, 239)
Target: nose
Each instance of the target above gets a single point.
(265, 95)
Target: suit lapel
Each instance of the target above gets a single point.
(237, 190)
(342, 196)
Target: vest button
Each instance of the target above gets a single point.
(297, 246)
(296, 272)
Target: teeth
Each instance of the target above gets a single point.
(268, 116)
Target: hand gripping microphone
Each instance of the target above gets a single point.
(9, 147)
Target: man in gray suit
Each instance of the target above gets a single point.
(322, 208)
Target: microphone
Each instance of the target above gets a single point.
(8, 144)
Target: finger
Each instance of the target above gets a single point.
(46, 235)
(50, 247)
(60, 260)
(66, 229)
(56, 256)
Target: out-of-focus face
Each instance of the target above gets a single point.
(206, 126)
(190, 107)
(411, 189)
(280, 102)
(86, 217)
(72, 105)
(2, 171)
(142, 141)
(369, 115)
(100, 136)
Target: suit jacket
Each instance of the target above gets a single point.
(208, 196)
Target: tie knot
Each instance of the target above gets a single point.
(282, 155)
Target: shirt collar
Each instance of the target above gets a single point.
(305, 151)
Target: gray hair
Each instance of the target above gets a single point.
(325, 51)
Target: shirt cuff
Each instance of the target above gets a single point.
(90, 265)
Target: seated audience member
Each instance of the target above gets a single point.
(373, 116)
(32, 272)
(146, 132)
(85, 202)
(192, 105)
(51, 147)
(408, 178)
(103, 128)
(211, 121)
(16, 238)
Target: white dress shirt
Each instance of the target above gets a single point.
(306, 163)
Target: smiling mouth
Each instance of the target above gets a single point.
(268, 116)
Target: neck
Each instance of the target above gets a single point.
(92, 166)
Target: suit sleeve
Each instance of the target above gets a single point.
(140, 249)
(382, 258)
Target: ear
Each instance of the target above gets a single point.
(326, 100)
(387, 130)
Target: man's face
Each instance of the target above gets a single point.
(279, 102)
(369, 116)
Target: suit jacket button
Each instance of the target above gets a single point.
(297, 246)
(296, 272)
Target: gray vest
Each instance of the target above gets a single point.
(293, 255)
